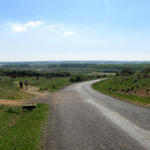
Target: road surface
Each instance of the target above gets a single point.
(83, 119)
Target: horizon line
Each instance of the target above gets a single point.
(76, 61)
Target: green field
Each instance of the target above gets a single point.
(133, 88)
(21, 129)
(50, 84)
(9, 89)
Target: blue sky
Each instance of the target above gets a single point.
(74, 30)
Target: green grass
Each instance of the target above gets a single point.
(47, 84)
(122, 87)
(10, 90)
(21, 129)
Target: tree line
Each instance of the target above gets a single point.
(32, 73)
(127, 72)
(101, 67)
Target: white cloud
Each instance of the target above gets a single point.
(52, 26)
(69, 33)
(18, 27)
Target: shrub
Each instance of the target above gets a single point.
(109, 89)
(15, 110)
(127, 90)
(134, 81)
(122, 90)
(76, 78)
(117, 73)
(126, 72)
(114, 90)
(132, 88)
(146, 73)
(1, 106)
(53, 86)
(30, 73)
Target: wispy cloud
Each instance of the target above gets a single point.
(52, 26)
(18, 27)
(69, 33)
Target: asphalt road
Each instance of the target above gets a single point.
(83, 119)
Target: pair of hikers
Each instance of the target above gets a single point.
(25, 83)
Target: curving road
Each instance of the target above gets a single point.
(83, 119)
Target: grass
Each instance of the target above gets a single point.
(126, 88)
(10, 90)
(21, 129)
(47, 84)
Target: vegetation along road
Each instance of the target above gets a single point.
(84, 119)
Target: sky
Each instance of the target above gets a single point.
(35, 30)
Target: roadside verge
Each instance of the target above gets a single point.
(141, 101)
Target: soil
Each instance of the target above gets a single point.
(32, 91)
(140, 93)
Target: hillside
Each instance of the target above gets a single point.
(133, 87)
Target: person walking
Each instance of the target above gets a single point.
(26, 84)
(21, 85)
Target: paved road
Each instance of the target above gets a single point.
(83, 119)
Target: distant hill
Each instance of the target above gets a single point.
(75, 62)
(77, 66)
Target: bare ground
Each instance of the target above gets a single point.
(38, 96)
(141, 93)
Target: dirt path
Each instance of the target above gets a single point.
(31, 90)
